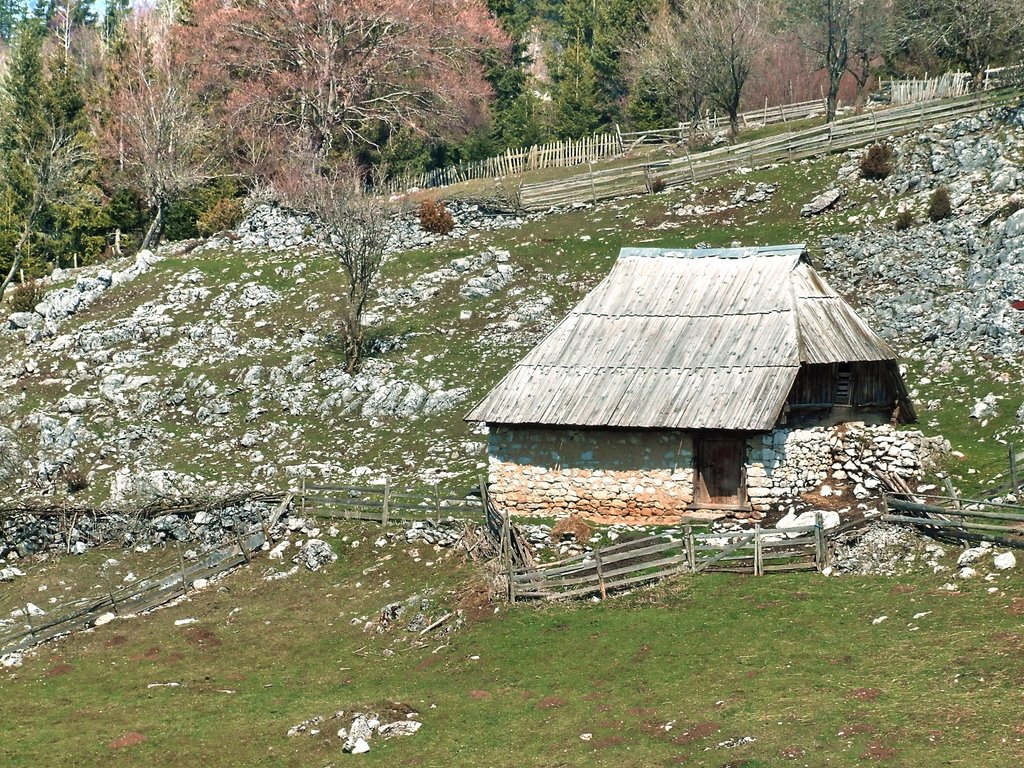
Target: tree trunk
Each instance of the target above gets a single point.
(156, 229)
(19, 249)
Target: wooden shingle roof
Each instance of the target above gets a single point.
(685, 339)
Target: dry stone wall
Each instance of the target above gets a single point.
(833, 461)
(600, 473)
(649, 475)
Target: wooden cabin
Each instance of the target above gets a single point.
(677, 384)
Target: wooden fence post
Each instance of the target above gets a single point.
(1013, 471)
(28, 617)
(819, 541)
(181, 567)
(691, 561)
(241, 548)
(110, 591)
(758, 567)
(387, 499)
(600, 574)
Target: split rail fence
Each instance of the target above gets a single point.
(383, 503)
(952, 517)
(653, 558)
(847, 133)
(150, 592)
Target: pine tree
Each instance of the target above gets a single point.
(43, 142)
(11, 12)
(575, 103)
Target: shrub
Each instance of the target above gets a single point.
(435, 218)
(939, 205)
(223, 215)
(876, 163)
(25, 297)
(904, 220)
(75, 479)
(658, 184)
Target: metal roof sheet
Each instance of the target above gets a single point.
(684, 339)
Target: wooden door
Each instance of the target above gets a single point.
(720, 473)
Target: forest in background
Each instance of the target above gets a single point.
(122, 126)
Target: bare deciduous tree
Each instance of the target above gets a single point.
(824, 27)
(353, 228)
(664, 58)
(975, 34)
(347, 72)
(724, 40)
(157, 131)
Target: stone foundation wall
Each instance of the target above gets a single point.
(603, 473)
(650, 475)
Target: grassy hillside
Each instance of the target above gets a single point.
(187, 324)
(791, 669)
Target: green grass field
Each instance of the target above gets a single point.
(792, 667)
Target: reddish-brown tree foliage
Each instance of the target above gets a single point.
(337, 74)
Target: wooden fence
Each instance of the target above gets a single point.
(951, 517)
(945, 86)
(847, 133)
(147, 593)
(383, 503)
(555, 154)
(653, 558)
(782, 113)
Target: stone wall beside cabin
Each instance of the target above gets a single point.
(634, 475)
(600, 473)
(833, 461)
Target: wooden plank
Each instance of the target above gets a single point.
(909, 506)
(928, 522)
(611, 573)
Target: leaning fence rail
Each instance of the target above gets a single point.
(652, 558)
(150, 592)
(953, 517)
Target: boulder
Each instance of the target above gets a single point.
(821, 203)
(315, 554)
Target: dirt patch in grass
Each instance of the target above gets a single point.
(475, 602)
(59, 669)
(697, 732)
(201, 637)
(902, 589)
(593, 696)
(550, 702)
(479, 695)
(642, 653)
(116, 641)
(1016, 606)
(429, 661)
(866, 694)
(611, 740)
(878, 750)
(791, 753)
(129, 739)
